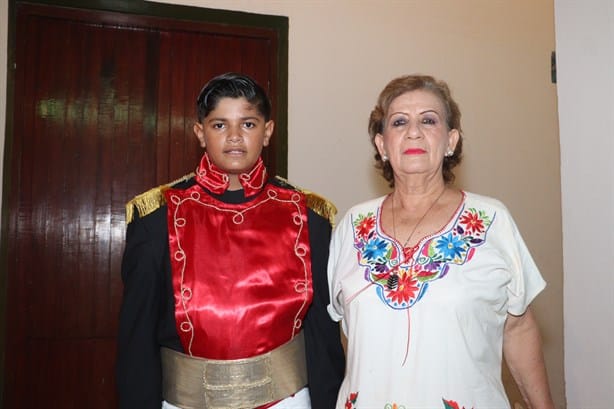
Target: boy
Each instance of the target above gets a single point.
(224, 273)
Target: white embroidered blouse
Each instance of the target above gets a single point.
(434, 341)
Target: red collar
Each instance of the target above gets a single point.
(217, 181)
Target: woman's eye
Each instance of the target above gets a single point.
(398, 122)
(429, 121)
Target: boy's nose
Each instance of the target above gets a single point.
(235, 133)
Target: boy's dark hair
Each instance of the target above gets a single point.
(232, 85)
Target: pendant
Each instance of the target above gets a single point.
(393, 282)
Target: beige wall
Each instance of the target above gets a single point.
(495, 54)
(496, 57)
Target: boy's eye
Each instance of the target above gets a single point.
(218, 125)
(249, 125)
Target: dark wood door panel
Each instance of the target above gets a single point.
(74, 162)
(186, 60)
(63, 369)
(104, 109)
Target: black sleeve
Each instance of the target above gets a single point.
(138, 368)
(325, 356)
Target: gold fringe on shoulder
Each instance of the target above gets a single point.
(321, 206)
(147, 202)
(315, 202)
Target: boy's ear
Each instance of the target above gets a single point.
(269, 127)
(199, 131)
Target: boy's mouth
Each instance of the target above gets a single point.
(235, 151)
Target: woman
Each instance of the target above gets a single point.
(432, 284)
(225, 277)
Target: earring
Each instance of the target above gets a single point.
(385, 158)
(449, 153)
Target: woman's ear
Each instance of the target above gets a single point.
(199, 131)
(379, 142)
(453, 136)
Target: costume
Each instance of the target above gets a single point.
(226, 276)
(436, 340)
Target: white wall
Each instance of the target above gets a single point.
(495, 54)
(585, 54)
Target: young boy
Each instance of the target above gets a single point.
(224, 272)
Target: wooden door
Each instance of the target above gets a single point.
(103, 110)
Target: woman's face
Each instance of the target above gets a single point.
(415, 135)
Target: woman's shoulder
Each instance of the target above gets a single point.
(371, 205)
(484, 202)
(361, 210)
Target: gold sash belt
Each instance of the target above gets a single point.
(198, 383)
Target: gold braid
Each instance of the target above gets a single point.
(153, 199)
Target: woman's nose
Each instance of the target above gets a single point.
(414, 131)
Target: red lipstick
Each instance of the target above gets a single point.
(414, 151)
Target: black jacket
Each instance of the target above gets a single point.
(147, 316)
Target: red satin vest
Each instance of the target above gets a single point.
(241, 273)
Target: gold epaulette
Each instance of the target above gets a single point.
(147, 202)
(321, 206)
(315, 202)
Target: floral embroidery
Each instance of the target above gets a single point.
(365, 224)
(350, 403)
(450, 404)
(393, 406)
(351, 400)
(450, 245)
(416, 267)
(407, 288)
(375, 249)
(472, 222)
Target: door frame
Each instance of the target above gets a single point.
(278, 24)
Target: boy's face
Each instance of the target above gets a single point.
(234, 134)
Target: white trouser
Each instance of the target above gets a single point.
(300, 400)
